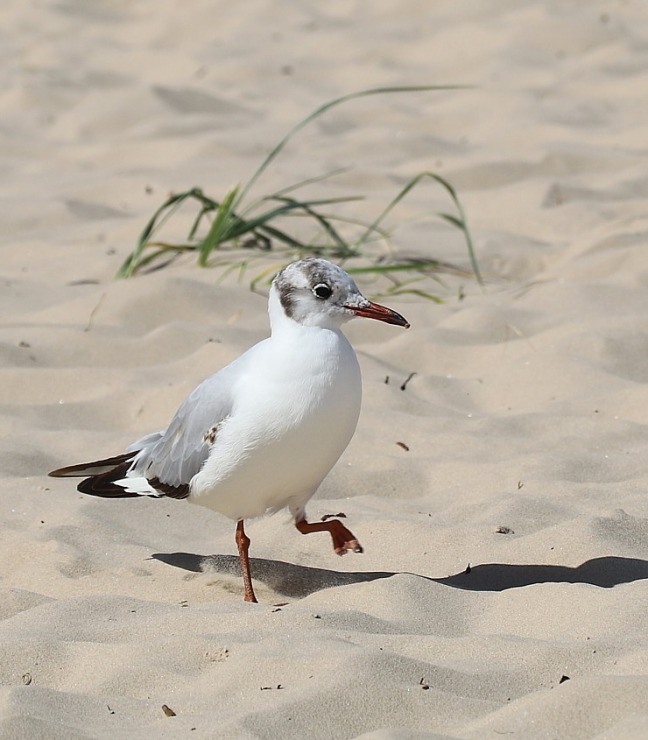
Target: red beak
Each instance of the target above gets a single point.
(380, 313)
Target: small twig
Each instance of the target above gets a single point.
(504, 530)
(406, 381)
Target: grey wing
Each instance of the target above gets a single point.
(174, 456)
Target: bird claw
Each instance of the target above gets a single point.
(351, 546)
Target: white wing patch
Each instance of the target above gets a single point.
(140, 486)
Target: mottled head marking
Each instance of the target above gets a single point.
(301, 277)
(296, 284)
(315, 292)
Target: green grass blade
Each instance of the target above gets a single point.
(421, 266)
(157, 255)
(417, 292)
(463, 226)
(221, 227)
(322, 220)
(155, 223)
(332, 104)
(246, 225)
(202, 214)
(272, 232)
(307, 181)
(459, 221)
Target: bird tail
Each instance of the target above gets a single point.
(100, 476)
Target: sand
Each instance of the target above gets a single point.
(504, 585)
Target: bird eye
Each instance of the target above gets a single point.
(322, 291)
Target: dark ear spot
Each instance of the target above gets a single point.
(286, 298)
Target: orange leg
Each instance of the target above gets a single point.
(343, 539)
(243, 544)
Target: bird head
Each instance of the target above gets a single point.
(315, 292)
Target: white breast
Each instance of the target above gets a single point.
(295, 411)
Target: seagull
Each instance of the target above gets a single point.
(261, 434)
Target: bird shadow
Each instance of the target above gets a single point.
(298, 581)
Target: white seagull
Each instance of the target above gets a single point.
(262, 433)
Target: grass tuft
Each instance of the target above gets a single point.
(238, 221)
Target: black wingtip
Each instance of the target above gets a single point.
(103, 487)
(97, 467)
(100, 476)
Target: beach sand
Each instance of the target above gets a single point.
(504, 583)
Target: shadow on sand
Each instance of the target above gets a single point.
(295, 581)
